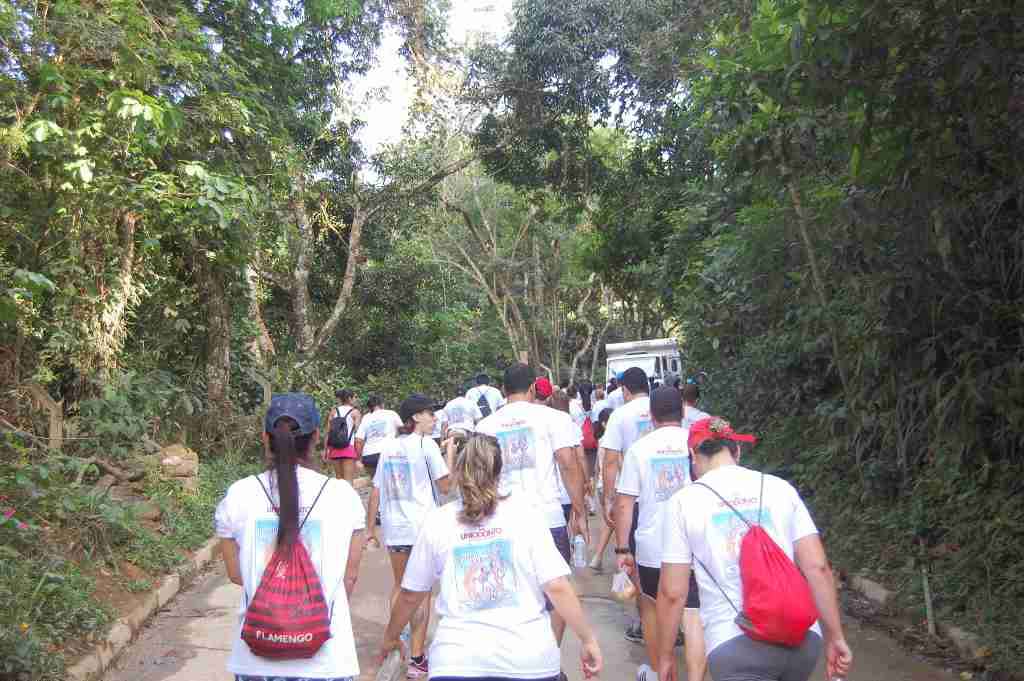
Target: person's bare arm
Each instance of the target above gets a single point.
(572, 478)
(401, 614)
(443, 484)
(673, 588)
(623, 517)
(359, 444)
(610, 473)
(229, 552)
(810, 557)
(371, 516)
(567, 604)
(355, 556)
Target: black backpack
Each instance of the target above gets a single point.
(485, 406)
(337, 434)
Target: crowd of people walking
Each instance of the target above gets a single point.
(484, 502)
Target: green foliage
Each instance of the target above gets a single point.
(46, 602)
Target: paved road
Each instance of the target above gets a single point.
(190, 640)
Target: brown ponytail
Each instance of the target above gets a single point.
(476, 473)
(288, 449)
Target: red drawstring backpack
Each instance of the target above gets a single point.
(589, 441)
(288, 617)
(777, 603)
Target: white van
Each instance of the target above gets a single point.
(658, 358)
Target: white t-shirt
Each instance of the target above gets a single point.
(490, 604)
(628, 424)
(404, 476)
(654, 469)
(599, 406)
(246, 516)
(376, 429)
(462, 414)
(529, 435)
(696, 524)
(577, 413)
(493, 395)
(440, 421)
(563, 491)
(616, 399)
(692, 414)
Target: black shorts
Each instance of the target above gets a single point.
(650, 578)
(400, 548)
(561, 537)
(567, 511)
(370, 461)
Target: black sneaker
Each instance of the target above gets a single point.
(679, 639)
(635, 632)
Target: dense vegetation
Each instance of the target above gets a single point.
(821, 198)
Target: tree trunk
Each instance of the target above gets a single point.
(819, 285)
(355, 250)
(301, 243)
(262, 346)
(218, 336)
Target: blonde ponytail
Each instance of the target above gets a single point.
(476, 473)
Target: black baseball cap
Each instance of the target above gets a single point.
(666, 404)
(414, 404)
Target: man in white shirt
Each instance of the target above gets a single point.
(704, 524)
(537, 444)
(462, 414)
(485, 392)
(626, 425)
(654, 469)
(691, 414)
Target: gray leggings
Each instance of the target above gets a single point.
(744, 659)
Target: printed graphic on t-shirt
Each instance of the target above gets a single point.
(517, 450)
(669, 475)
(266, 541)
(376, 430)
(732, 530)
(643, 426)
(485, 575)
(398, 479)
(459, 415)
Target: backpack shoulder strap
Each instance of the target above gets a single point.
(725, 595)
(760, 500)
(264, 488)
(733, 508)
(322, 488)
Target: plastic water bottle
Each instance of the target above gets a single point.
(392, 668)
(579, 551)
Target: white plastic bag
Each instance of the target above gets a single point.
(622, 587)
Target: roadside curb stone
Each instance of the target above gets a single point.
(968, 644)
(94, 663)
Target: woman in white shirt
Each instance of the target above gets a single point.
(403, 488)
(261, 511)
(495, 560)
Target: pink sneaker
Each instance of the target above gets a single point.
(417, 669)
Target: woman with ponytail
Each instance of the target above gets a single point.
(291, 502)
(495, 560)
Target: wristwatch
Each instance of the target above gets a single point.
(619, 551)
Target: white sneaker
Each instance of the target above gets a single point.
(595, 563)
(645, 673)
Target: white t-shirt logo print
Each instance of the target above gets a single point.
(517, 449)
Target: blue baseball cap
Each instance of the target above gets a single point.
(298, 406)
